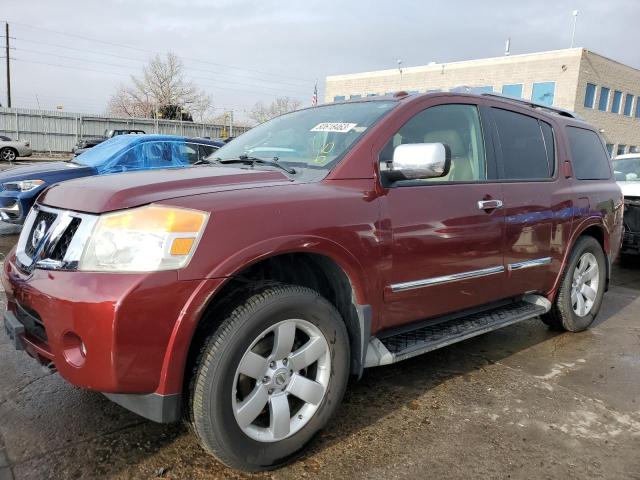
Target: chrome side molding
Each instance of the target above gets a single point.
(538, 262)
(456, 277)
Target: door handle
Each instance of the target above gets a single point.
(489, 204)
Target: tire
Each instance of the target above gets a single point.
(220, 399)
(566, 312)
(8, 154)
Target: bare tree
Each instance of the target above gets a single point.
(162, 90)
(281, 105)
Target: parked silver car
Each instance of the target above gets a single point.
(11, 149)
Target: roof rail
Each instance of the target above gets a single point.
(529, 103)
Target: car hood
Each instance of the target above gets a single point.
(114, 192)
(630, 189)
(45, 170)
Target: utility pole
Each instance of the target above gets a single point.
(6, 41)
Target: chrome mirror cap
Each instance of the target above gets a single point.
(413, 161)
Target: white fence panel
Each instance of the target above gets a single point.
(56, 131)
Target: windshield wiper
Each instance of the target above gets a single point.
(246, 159)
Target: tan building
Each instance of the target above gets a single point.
(601, 90)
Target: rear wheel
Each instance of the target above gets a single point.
(582, 288)
(270, 377)
(8, 154)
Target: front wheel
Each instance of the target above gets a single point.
(582, 288)
(8, 154)
(270, 377)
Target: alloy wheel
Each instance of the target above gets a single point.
(281, 380)
(8, 155)
(584, 287)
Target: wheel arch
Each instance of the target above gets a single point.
(592, 227)
(338, 280)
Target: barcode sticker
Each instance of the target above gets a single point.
(333, 127)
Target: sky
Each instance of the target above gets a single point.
(75, 53)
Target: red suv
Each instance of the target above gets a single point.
(243, 294)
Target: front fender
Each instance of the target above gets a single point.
(172, 375)
(272, 247)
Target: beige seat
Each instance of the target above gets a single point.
(461, 167)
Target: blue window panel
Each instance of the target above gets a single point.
(338, 98)
(628, 104)
(413, 92)
(514, 90)
(604, 99)
(590, 95)
(543, 92)
(355, 97)
(434, 91)
(610, 149)
(637, 109)
(483, 89)
(617, 101)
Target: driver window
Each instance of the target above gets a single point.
(455, 125)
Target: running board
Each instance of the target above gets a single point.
(426, 339)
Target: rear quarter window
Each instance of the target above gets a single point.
(589, 157)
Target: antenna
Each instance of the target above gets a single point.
(507, 47)
(575, 14)
(400, 68)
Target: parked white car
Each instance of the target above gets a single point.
(627, 172)
(11, 149)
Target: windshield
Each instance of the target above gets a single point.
(312, 138)
(103, 152)
(627, 169)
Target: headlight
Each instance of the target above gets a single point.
(22, 185)
(143, 239)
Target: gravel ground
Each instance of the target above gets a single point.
(522, 402)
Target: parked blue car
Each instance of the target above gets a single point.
(20, 186)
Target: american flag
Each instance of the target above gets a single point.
(314, 98)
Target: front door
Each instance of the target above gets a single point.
(447, 233)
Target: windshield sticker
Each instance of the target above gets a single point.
(322, 157)
(333, 127)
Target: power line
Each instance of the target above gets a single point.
(263, 89)
(155, 52)
(144, 61)
(273, 95)
(20, 49)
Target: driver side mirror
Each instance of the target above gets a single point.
(415, 161)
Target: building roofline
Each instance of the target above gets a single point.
(591, 52)
(568, 52)
(505, 58)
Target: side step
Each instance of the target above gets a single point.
(426, 339)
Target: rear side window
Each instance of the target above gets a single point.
(525, 153)
(590, 159)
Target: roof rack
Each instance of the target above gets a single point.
(529, 103)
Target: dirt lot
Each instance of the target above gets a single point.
(523, 402)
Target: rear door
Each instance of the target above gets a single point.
(537, 200)
(447, 233)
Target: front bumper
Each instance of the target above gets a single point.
(25, 151)
(113, 333)
(13, 209)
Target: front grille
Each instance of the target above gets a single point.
(48, 218)
(32, 322)
(63, 244)
(632, 215)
